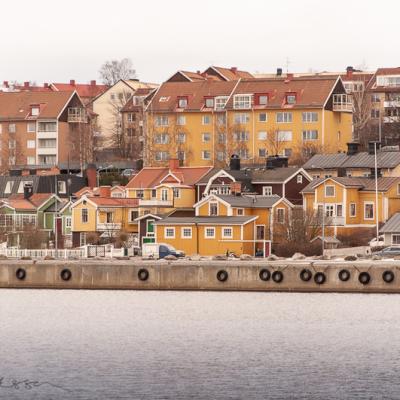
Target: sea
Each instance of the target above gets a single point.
(78, 344)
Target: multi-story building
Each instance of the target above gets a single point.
(205, 122)
(42, 128)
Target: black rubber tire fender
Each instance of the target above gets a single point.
(222, 275)
(20, 274)
(66, 274)
(143, 274)
(319, 278)
(277, 276)
(305, 275)
(344, 275)
(388, 276)
(265, 275)
(364, 278)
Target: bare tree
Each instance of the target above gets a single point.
(361, 112)
(114, 70)
(302, 153)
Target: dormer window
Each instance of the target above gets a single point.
(35, 110)
(261, 99)
(290, 98)
(182, 102)
(242, 101)
(209, 102)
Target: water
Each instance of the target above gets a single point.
(198, 345)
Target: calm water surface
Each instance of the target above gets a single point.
(198, 345)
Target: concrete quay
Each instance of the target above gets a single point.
(298, 276)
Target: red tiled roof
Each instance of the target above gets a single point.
(114, 201)
(151, 177)
(231, 74)
(83, 90)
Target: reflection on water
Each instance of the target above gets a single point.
(198, 345)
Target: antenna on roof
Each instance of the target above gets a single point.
(287, 64)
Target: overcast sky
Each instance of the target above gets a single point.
(53, 41)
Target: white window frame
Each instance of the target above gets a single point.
(299, 178)
(262, 135)
(284, 136)
(267, 191)
(31, 160)
(176, 193)
(130, 215)
(310, 134)
(181, 120)
(29, 126)
(353, 215)
(164, 194)
(87, 215)
(220, 102)
(334, 191)
(223, 232)
(161, 120)
(242, 101)
(392, 241)
(203, 153)
(31, 144)
(209, 208)
(183, 232)
(369, 203)
(286, 117)
(241, 118)
(68, 222)
(206, 137)
(240, 211)
(283, 213)
(206, 236)
(308, 116)
(206, 119)
(169, 228)
(62, 187)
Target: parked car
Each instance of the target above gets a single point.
(389, 252)
(128, 172)
(160, 250)
(377, 243)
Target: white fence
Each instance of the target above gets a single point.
(41, 253)
(348, 251)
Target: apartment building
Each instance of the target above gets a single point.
(41, 128)
(213, 73)
(204, 122)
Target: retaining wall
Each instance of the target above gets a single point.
(241, 275)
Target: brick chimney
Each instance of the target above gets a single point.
(72, 82)
(349, 72)
(5, 84)
(105, 191)
(46, 85)
(173, 164)
(93, 83)
(236, 188)
(234, 70)
(91, 175)
(26, 85)
(289, 77)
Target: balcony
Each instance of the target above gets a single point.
(391, 103)
(155, 203)
(342, 103)
(109, 226)
(17, 220)
(77, 114)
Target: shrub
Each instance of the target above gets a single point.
(287, 249)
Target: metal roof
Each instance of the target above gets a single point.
(392, 225)
(242, 220)
(249, 201)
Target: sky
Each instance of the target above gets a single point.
(55, 41)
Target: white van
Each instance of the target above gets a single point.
(160, 250)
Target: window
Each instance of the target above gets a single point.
(284, 117)
(309, 117)
(206, 155)
(263, 99)
(375, 113)
(220, 102)
(186, 233)
(330, 191)
(280, 215)
(352, 209)
(11, 144)
(368, 210)
(206, 120)
(395, 238)
(153, 193)
(287, 152)
(30, 160)
(262, 117)
(140, 193)
(209, 233)
(161, 120)
(181, 137)
(47, 126)
(299, 178)
(177, 193)
(329, 210)
(161, 138)
(221, 119)
(61, 187)
(68, 222)
(161, 156)
(244, 154)
(181, 120)
(339, 210)
(11, 128)
(31, 127)
(262, 135)
(169, 233)
(9, 186)
(375, 98)
(11, 160)
(227, 232)
(213, 209)
(241, 136)
(133, 214)
(206, 137)
(262, 153)
(82, 239)
(30, 144)
(310, 135)
(267, 190)
(209, 102)
(285, 136)
(109, 217)
(181, 155)
(241, 118)
(240, 211)
(221, 155)
(290, 98)
(131, 117)
(164, 194)
(221, 138)
(241, 101)
(84, 215)
(182, 102)
(47, 143)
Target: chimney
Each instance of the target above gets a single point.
(28, 190)
(234, 163)
(198, 72)
(5, 84)
(93, 83)
(91, 175)
(234, 70)
(72, 82)
(349, 72)
(289, 77)
(371, 147)
(173, 164)
(139, 164)
(46, 85)
(105, 191)
(236, 188)
(352, 148)
(26, 85)
(279, 72)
